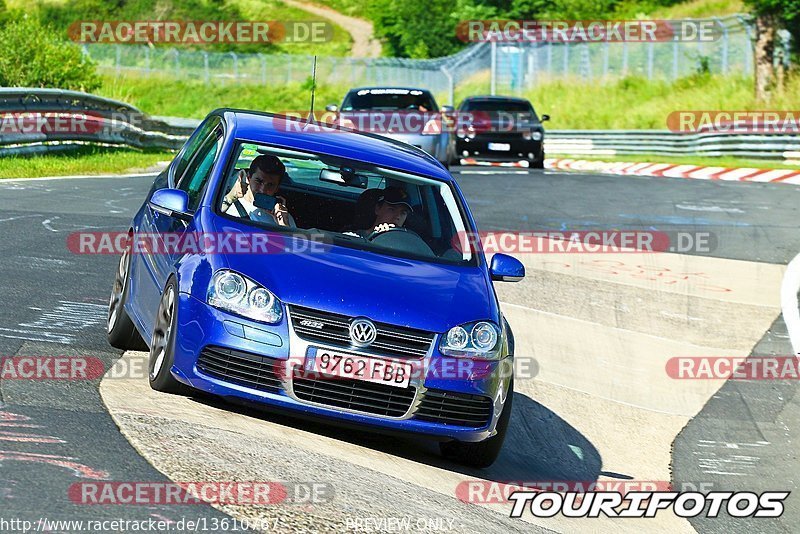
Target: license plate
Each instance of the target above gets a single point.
(333, 365)
(500, 147)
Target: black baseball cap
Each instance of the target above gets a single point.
(394, 196)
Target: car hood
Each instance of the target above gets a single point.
(399, 291)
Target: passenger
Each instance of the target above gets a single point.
(262, 178)
(391, 211)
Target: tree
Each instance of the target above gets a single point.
(772, 16)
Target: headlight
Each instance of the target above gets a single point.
(473, 340)
(233, 292)
(537, 136)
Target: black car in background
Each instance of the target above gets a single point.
(499, 128)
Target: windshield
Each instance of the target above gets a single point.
(346, 202)
(389, 100)
(509, 106)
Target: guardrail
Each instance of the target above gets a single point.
(662, 142)
(113, 123)
(47, 120)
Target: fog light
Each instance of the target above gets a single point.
(530, 155)
(465, 153)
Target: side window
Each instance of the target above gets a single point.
(192, 145)
(199, 168)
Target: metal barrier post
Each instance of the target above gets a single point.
(493, 85)
(263, 61)
(675, 60)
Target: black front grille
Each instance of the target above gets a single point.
(369, 397)
(500, 136)
(251, 370)
(460, 409)
(334, 329)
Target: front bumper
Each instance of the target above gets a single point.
(201, 326)
(478, 147)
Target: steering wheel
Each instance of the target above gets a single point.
(376, 233)
(401, 239)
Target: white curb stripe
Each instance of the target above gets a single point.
(791, 313)
(771, 175)
(704, 173)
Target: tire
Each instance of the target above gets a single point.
(483, 453)
(162, 346)
(121, 331)
(538, 163)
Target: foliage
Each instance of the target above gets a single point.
(32, 55)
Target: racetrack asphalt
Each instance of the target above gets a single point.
(53, 303)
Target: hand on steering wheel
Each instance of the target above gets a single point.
(388, 227)
(383, 228)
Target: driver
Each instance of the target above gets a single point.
(391, 211)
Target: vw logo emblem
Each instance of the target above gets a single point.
(362, 332)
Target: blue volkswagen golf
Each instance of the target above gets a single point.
(323, 272)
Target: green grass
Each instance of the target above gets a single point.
(637, 103)
(193, 99)
(699, 9)
(691, 160)
(89, 160)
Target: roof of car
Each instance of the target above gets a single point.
(496, 98)
(399, 87)
(296, 134)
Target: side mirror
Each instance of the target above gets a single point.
(172, 203)
(545, 118)
(448, 109)
(333, 108)
(506, 268)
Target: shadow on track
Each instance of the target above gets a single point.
(539, 446)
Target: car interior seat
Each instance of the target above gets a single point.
(364, 210)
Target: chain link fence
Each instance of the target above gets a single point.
(492, 67)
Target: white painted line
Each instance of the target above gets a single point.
(790, 285)
(78, 177)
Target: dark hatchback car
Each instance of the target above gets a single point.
(499, 128)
